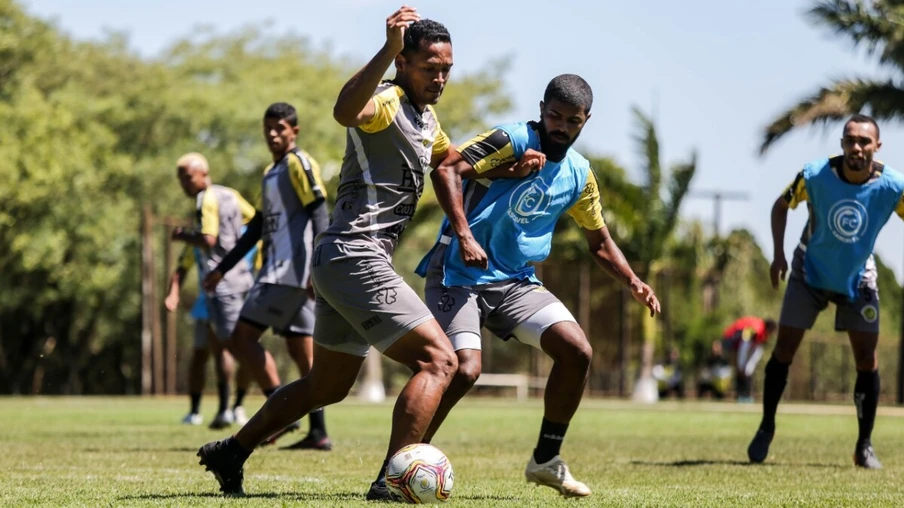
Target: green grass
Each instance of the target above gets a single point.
(133, 452)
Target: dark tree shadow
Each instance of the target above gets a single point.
(743, 463)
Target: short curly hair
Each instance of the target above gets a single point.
(424, 31)
(570, 89)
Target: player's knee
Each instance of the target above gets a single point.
(468, 371)
(443, 362)
(867, 363)
(575, 351)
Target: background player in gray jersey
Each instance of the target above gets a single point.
(220, 215)
(293, 212)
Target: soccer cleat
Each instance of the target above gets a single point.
(222, 420)
(865, 456)
(311, 443)
(378, 491)
(240, 417)
(193, 419)
(227, 468)
(555, 474)
(290, 428)
(759, 447)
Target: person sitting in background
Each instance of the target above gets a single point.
(715, 376)
(669, 376)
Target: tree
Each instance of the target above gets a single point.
(90, 134)
(879, 25)
(655, 205)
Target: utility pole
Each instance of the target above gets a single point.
(718, 196)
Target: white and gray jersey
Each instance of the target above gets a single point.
(386, 160)
(294, 212)
(222, 212)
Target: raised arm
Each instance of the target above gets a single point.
(355, 106)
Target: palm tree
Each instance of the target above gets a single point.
(644, 240)
(880, 26)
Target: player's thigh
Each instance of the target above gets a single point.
(457, 312)
(333, 374)
(304, 321)
(532, 315)
(224, 312)
(371, 298)
(201, 334)
(272, 305)
(801, 304)
(861, 315)
(425, 347)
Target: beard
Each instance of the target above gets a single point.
(553, 149)
(857, 164)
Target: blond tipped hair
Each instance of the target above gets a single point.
(192, 161)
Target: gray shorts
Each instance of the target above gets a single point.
(223, 314)
(286, 309)
(202, 332)
(501, 307)
(361, 302)
(802, 304)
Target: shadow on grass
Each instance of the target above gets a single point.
(178, 449)
(306, 496)
(302, 496)
(705, 462)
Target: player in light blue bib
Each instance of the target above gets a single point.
(479, 273)
(850, 198)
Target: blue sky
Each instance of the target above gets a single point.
(717, 71)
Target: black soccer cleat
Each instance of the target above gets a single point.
(378, 491)
(759, 447)
(226, 467)
(311, 442)
(292, 427)
(865, 456)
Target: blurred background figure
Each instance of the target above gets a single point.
(669, 376)
(744, 339)
(715, 375)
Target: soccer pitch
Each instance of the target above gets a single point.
(133, 452)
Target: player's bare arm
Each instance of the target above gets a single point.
(612, 260)
(355, 105)
(447, 184)
(172, 299)
(194, 238)
(243, 246)
(779, 220)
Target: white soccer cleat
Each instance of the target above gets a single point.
(193, 419)
(555, 474)
(240, 417)
(222, 420)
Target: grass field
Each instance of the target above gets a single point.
(132, 452)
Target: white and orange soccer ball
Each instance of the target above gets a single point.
(419, 473)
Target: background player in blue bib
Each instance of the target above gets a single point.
(850, 198)
(479, 272)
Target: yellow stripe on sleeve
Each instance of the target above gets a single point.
(588, 210)
(210, 214)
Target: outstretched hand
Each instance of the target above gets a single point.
(644, 294)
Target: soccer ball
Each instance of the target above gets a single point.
(419, 473)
